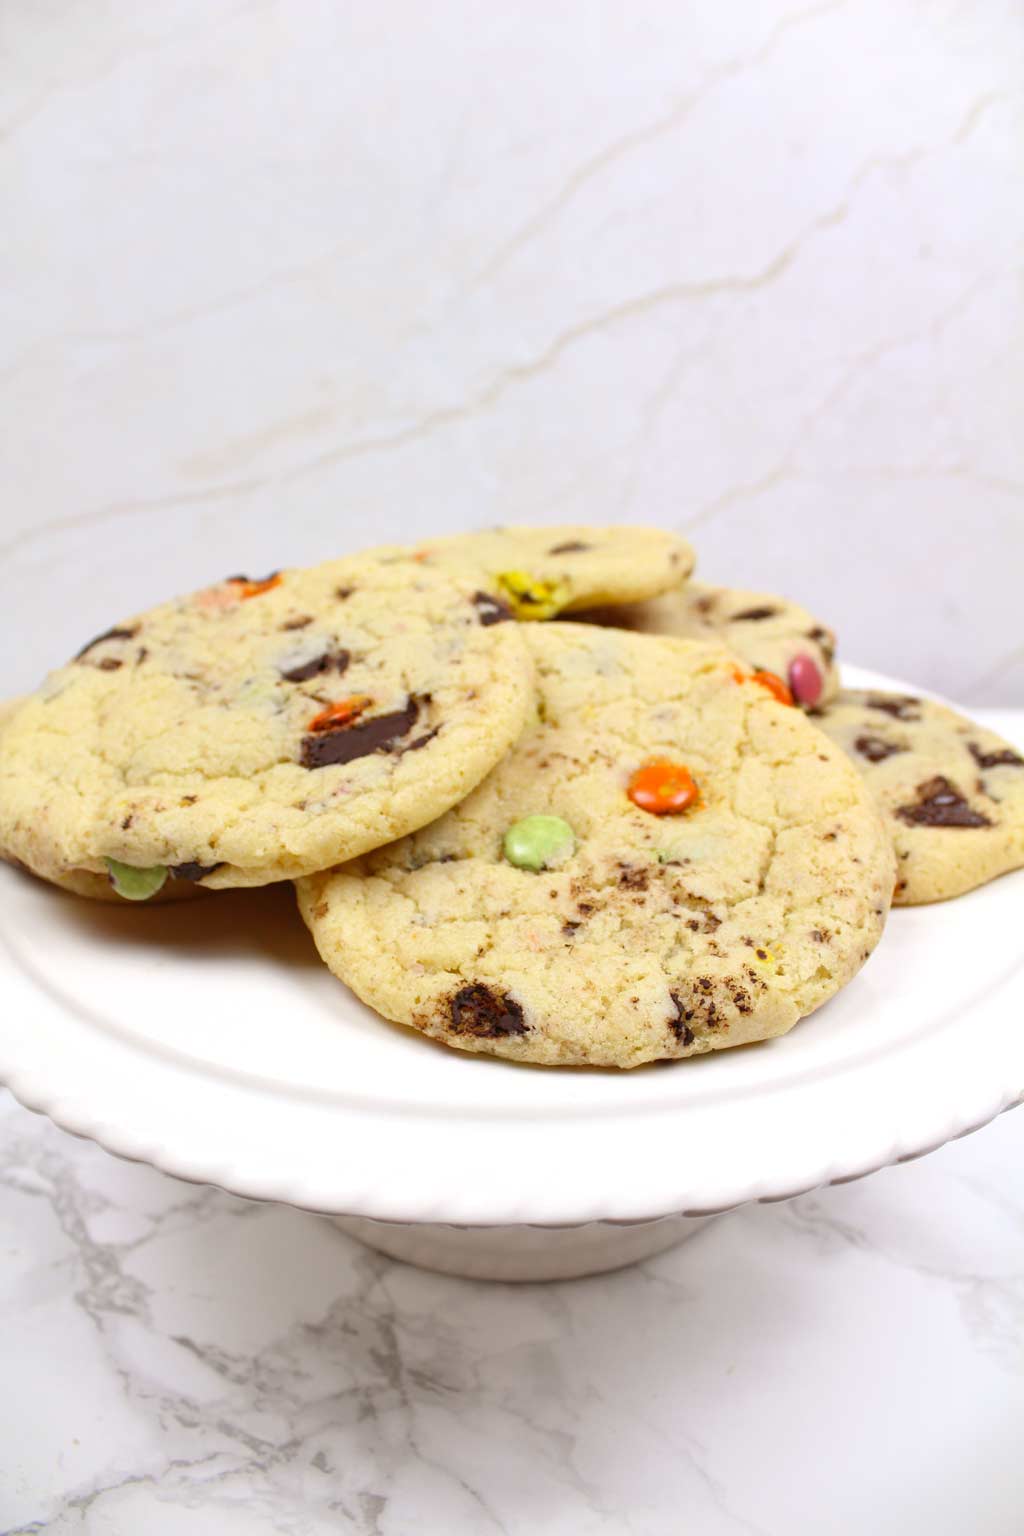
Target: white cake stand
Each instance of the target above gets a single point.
(207, 1039)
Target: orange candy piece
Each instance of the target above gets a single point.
(340, 714)
(246, 588)
(662, 788)
(775, 686)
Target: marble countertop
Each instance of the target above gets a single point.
(181, 1363)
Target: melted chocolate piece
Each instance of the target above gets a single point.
(573, 547)
(299, 623)
(753, 614)
(1006, 758)
(109, 664)
(679, 1027)
(875, 749)
(940, 804)
(476, 1010)
(491, 610)
(377, 734)
(193, 872)
(342, 592)
(108, 634)
(900, 709)
(318, 664)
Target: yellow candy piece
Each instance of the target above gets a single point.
(531, 599)
(764, 954)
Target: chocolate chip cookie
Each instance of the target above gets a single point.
(540, 572)
(768, 633)
(264, 727)
(670, 861)
(951, 792)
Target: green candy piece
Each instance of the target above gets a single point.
(135, 884)
(539, 842)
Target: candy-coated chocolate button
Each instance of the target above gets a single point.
(531, 599)
(341, 713)
(539, 842)
(247, 587)
(135, 884)
(662, 788)
(775, 686)
(805, 680)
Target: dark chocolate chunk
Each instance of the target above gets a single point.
(1006, 758)
(572, 547)
(940, 804)
(476, 1010)
(377, 734)
(307, 669)
(108, 634)
(339, 660)
(900, 709)
(342, 592)
(875, 749)
(299, 623)
(491, 610)
(754, 613)
(193, 872)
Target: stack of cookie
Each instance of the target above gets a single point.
(651, 834)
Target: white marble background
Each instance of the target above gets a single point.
(276, 279)
(178, 1363)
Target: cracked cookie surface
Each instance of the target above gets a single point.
(657, 935)
(951, 791)
(540, 572)
(262, 729)
(767, 632)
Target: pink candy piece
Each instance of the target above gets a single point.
(805, 680)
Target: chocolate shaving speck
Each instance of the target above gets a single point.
(490, 609)
(900, 709)
(875, 749)
(754, 614)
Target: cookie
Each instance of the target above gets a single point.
(541, 572)
(951, 792)
(668, 862)
(262, 729)
(767, 633)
